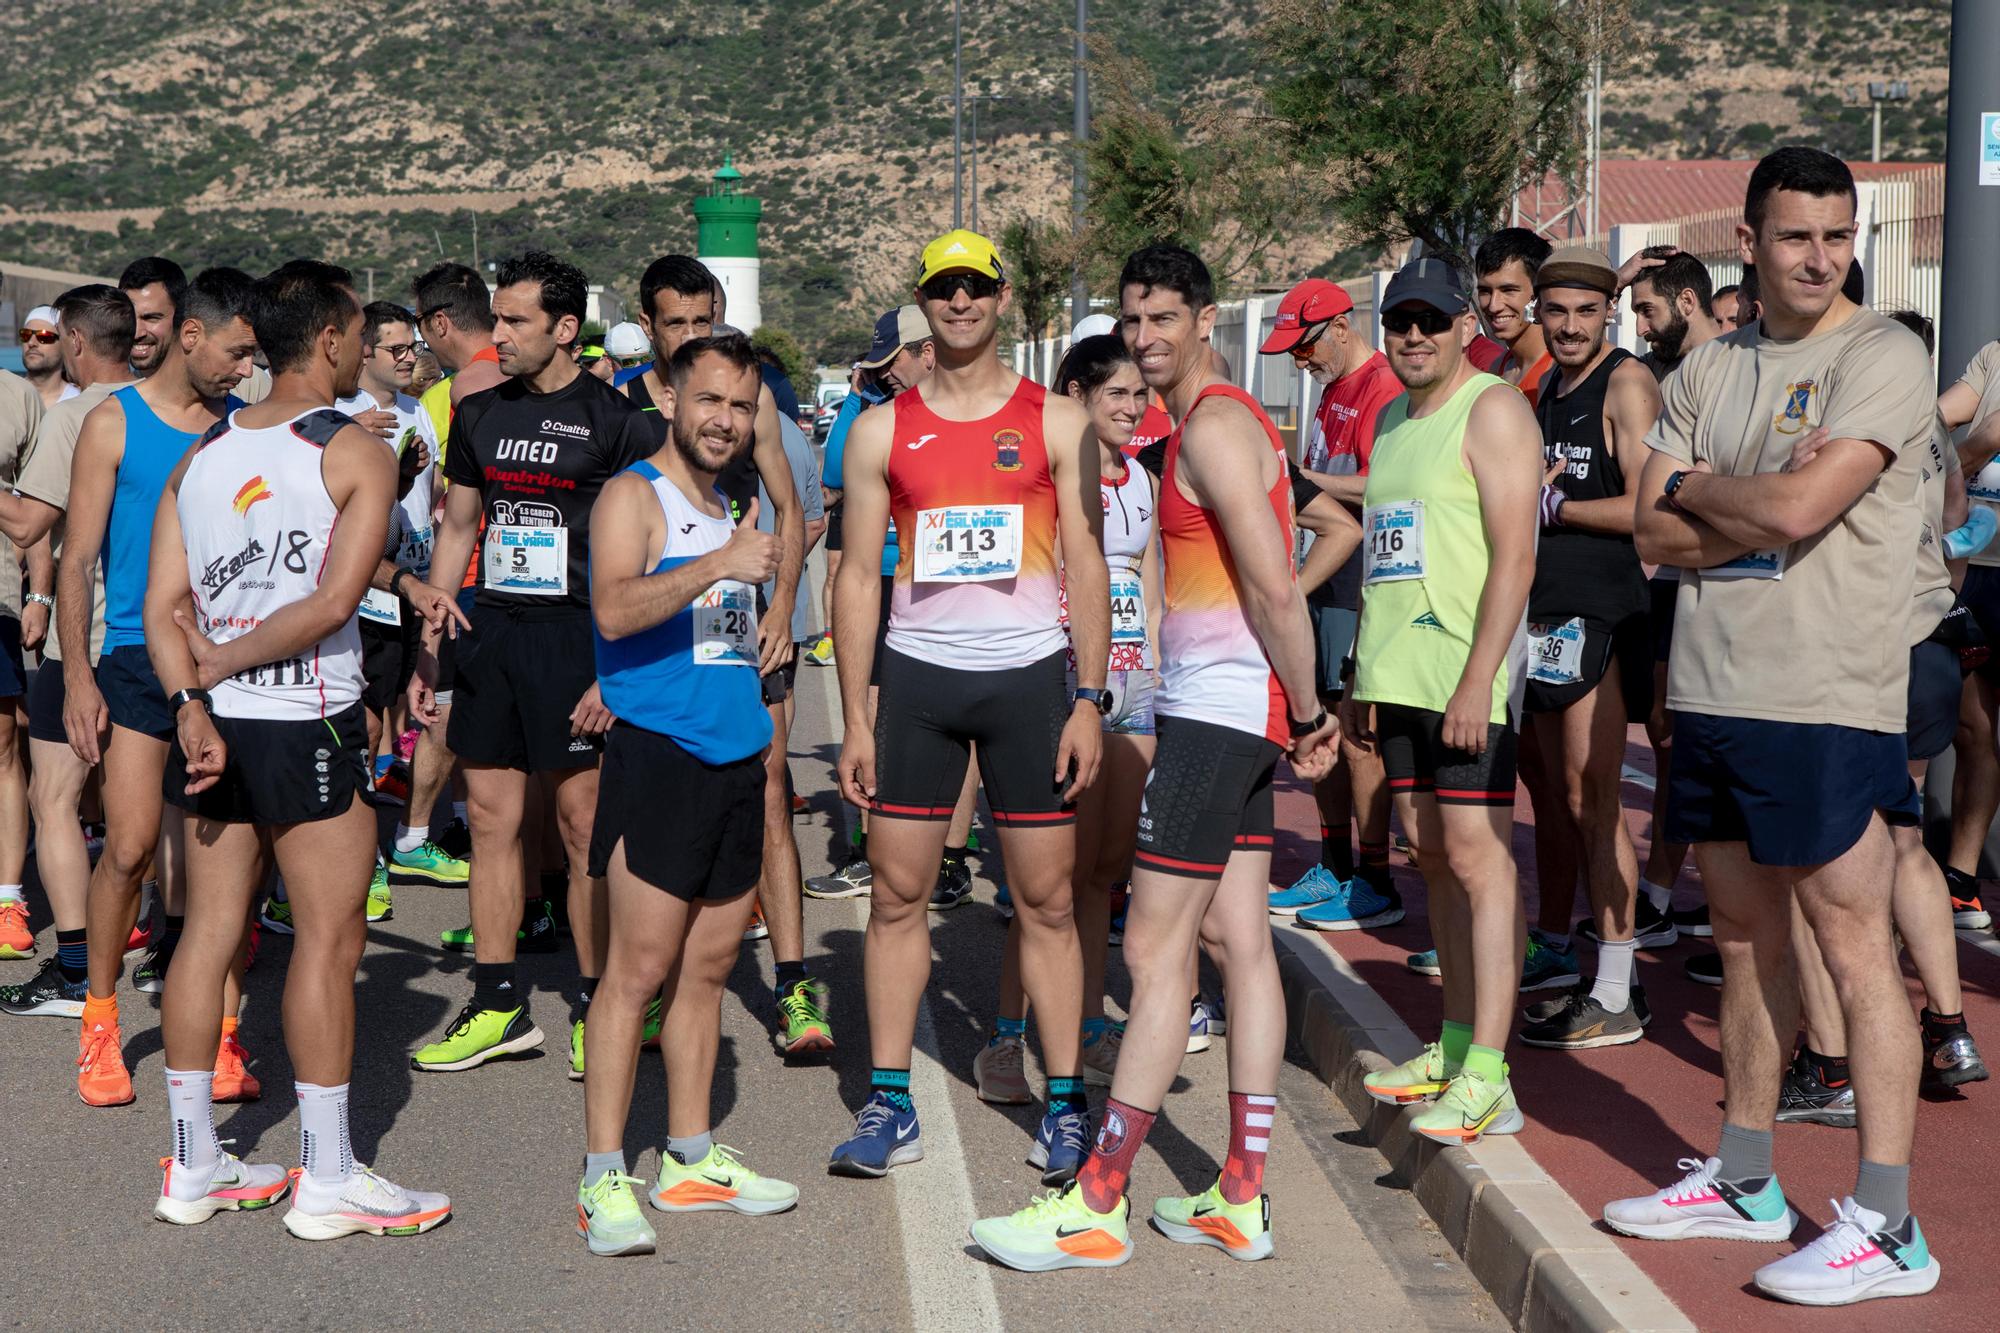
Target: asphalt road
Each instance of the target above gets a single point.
(506, 1142)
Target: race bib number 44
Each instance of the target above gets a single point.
(1395, 542)
(1128, 609)
(530, 561)
(725, 625)
(968, 544)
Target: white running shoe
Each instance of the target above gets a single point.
(360, 1202)
(191, 1194)
(1699, 1205)
(1855, 1259)
(1000, 1074)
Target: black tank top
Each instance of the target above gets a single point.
(1578, 573)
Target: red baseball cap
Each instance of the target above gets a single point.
(1313, 301)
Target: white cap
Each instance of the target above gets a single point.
(626, 339)
(1092, 325)
(42, 314)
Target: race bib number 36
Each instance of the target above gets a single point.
(1395, 542)
(968, 544)
(725, 625)
(1555, 652)
(530, 561)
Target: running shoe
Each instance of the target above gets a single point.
(757, 929)
(1424, 964)
(456, 841)
(1858, 1258)
(1543, 1010)
(1218, 1018)
(277, 916)
(1469, 1109)
(609, 1218)
(1239, 1230)
(458, 939)
(360, 1202)
(1355, 905)
(719, 1182)
(999, 1072)
(1651, 928)
(16, 939)
(1950, 1057)
(101, 1077)
(884, 1136)
(538, 928)
(93, 840)
(1698, 1206)
(379, 905)
(429, 863)
(1100, 1057)
(1121, 898)
(1057, 1230)
(853, 880)
(1061, 1144)
(233, 1080)
(1316, 886)
(1705, 968)
(576, 1050)
(478, 1035)
(799, 804)
(1583, 1024)
(191, 1194)
(392, 782)
(1969, 913)
(1419, 1079)
(805, 1027)
(150, 977)
(1803, 1099)
(972, 841)
(1199, 1036)
(140, 940)
(954, 885)
(47, 993)
(821, 653)
(1003, 902)
(1693, 921)
(1546, 967)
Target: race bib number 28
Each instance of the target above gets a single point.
(725, 625)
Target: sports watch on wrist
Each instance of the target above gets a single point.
(1300, 730)
(179, 699)
(1673, 486)
(1099, 699)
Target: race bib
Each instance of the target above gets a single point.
(1395, 537)
(1128, 609)
(413, 552)
(1555, 652)
(725, 625)
(381, 608)
(968, 544)
(1751, 565)
(531, 561)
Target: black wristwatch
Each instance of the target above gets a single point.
(180, 699)
(396, 581)
(1673, 485)
(1101, 699)
(1300, 730)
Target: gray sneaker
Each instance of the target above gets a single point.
(853, 880)
(1583, 1024)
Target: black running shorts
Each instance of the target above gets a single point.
(519, 679)
(46, 695)
(1416, 760)
(690, 829)
(279, 772)
(1208, 795)
(1628, 643)
(388, 657)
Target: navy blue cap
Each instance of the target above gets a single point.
(1431, 282)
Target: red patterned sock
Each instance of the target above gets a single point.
(1120, 1132)
(1250, 1116)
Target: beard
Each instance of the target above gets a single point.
(688, 443)
(1668, 339)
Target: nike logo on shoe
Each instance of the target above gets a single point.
(723, 1181)
(905, 1132)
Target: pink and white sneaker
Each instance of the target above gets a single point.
(1699, 1205)
(360, 1202)
(191, 1194)
(1858, 1258)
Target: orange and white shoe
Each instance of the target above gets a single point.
(1239, 1230)
(718, 1182)
(191, 1194)
(233, 1080)
(16, 939)
(101, 1076)
(757, 930)
(360, 1203)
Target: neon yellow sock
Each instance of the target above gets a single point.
(1486, 1062)
(1455, 1039)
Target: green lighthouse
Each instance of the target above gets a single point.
(726, 241)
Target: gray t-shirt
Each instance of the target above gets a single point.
(805, 480)
(21, 415)
(45, 477)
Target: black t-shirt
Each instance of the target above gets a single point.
(538, 462)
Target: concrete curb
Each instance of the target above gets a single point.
(1538, 1254)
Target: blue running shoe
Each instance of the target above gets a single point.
(884, 1136)
(1060, 1147)
(1003, 902)
(1316, 886)
(1547, 967)
(1198, 1032)
(1356, 905)
(1424, 964)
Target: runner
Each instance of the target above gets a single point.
(264, 683)
(155, 286)
(1505, 263)
(1788, 727)
(1590, 669)
(1451, 522)
(1726, 307)
(1237, 690)
(41, 357)
(525, 461)
(983, 472)
(671, 580)
(1315, 327)
(21, 413)
(129, 445)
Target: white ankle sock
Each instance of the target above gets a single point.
(1613, 987)
(193, 1112)
(324, 1149)
(11, 893)
(1657, 896)
(408, 839)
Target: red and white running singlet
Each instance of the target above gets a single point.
(1212, 667)
(1128, 528)
(976, 509)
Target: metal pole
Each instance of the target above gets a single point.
(1971, 288)
(975, 161)
(1079, 294)
(957, 117)
(1875, 151)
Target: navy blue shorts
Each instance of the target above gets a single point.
(1936, 685)
(132, 693)
(1798, 793)
(1980, 594)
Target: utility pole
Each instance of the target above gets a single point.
(1079, 294)
(371, 286)
(1971, 285)
(975, 161)
(957, 116)
(1880, 91)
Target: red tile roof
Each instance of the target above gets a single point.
(1644, 191)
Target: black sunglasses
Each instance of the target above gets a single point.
(1430, 322)
(947, 285)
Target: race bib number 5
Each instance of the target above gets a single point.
(1395, 537)
(530, 561)
(725, 625)
(968, 544)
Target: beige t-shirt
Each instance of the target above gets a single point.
(1982, 376)
(1824, 641)
(1934, 593)
(21, 413)
(45, 477)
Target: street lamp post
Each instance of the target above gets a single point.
(957, 117)
(1079, 294)
(1878, 93)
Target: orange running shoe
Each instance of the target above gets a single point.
(101, 1079)
(757, 930)
(16, 940)
(140, 940)
(233, 1080)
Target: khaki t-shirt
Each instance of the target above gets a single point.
(45, 477)
(21, 415)
(1982, 376)
(1824, 642)
(1934, 593)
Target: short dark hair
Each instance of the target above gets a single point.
(1681, 272)
(1091, 361)
(1801, 170)
(677, 274)
(561, 286)
(1727, 289)
(1173, 268)
(143, 273)
(1531, 248)
(377, 313)
(731, 347)
(292, 303)
(214, 297)
(103, 315)
(1855, 285)
(1746, 292)
(459, 292)
(1918, 323)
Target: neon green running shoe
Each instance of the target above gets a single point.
(1239, 1230)
(805, 1028)
(476, 1036)
(1470, 1108)
(821, 653)
(1057, 1230)
(1415, 1080)
(649, 1037)
(379, 908)
(277, 916)
(609, 1219)
(718, 1183)
(428, 864)
(458, 939)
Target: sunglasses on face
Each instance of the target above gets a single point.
(46, 337)
(1426, 321)
(1304, 346)
(947, 285)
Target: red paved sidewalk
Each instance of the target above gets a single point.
(1612, 1122)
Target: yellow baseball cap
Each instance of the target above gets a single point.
(960, 251)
